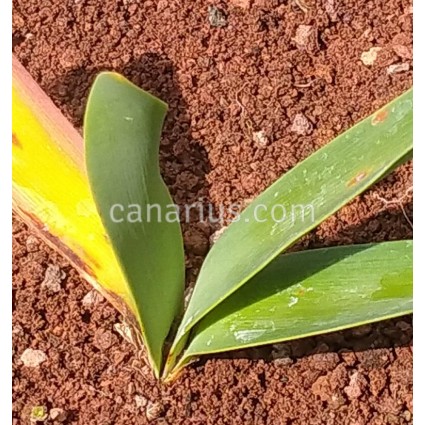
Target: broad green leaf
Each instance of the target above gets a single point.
(311, 292)
(310, 192)
(122, 132)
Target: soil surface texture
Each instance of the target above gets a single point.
(254, 87)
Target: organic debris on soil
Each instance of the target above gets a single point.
(226, 85)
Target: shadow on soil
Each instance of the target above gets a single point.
(179, 152)
(183, 161)
(386, 226)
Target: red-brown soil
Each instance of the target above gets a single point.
(268, 63)
(360, 376)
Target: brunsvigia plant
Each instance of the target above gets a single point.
(248, 293)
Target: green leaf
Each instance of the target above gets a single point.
(322, 184)
(311, 292)
(122, 133)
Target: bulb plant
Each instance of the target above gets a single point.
(249, 292)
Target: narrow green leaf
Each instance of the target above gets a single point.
(122, 132)
(311, 292)
(310, 192)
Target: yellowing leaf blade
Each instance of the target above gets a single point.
(51, 191)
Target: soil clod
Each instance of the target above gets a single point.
(104, 339)
(356, 387)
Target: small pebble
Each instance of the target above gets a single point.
(92, 298)
(58, 415)
(17, 330)
(404, 326)
(216, 17)
(32, 243)
(153, 410)
(306, 38)
(301, 125)
(336, 401)
(283, 362)
(140, 401)
(125, 331)
(331, 10)
(399, 67)
(361, 331)
(33, 358)
(53, 278)
(322, 348)
(260, 138)
(407, 415)
(369, 57)
(281, 351)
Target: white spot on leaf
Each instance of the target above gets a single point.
(249, 335)
(292, 301)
